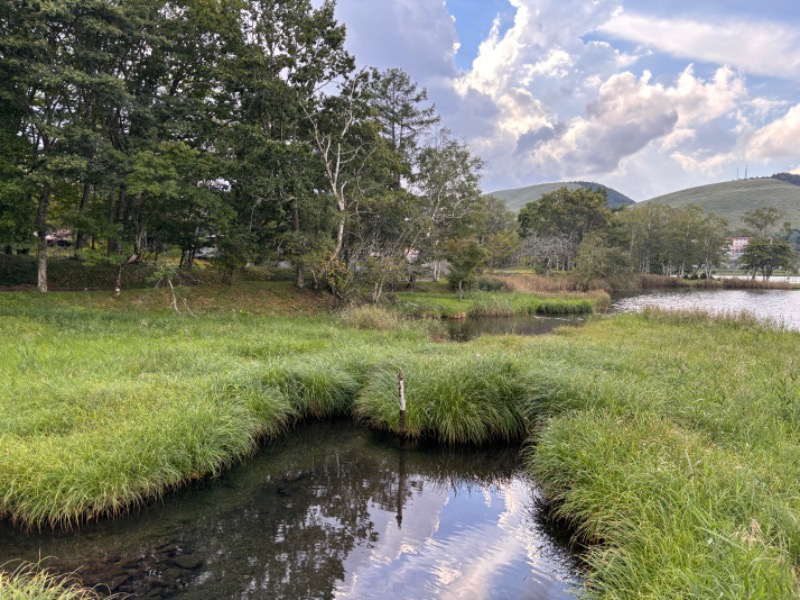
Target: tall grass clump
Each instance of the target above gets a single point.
(668, 515)
(673, 449)
(462, 398)
(29, 582)
(371, 316)
(316, 386)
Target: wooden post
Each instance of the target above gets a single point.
(402, 403)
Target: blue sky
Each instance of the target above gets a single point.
(644, 96)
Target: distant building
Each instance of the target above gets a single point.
(736, 246)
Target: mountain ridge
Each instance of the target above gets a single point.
(732, 199)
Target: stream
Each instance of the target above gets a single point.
(329, 511)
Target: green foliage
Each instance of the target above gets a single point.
(763, 255)
(671, 241)
(239, 127)
(517, 198)
(596, 259)
(569, 213)
(71, 274)
(762, 220)
(732, 199)
(466, 259)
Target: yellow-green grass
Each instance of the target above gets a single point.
(448, 305)
(29, 582)
(670, 442)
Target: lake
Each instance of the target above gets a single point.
(777, 307)
(330, 511)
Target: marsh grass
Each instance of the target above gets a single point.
(493, 304)
(755, 284)
(671, 442)
(31, 582)
(454, 397)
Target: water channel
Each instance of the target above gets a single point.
(330, 511)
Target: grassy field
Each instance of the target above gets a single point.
(671, 443)
(732, 199)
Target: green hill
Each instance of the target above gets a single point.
(519, 197)
(733, 199)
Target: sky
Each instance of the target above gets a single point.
(645, 96)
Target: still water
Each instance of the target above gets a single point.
(462, 330)
(331, 511)
(776, 307)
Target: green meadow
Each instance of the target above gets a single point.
(669, 443)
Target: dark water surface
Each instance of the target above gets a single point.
(462, 330)
(331, 511)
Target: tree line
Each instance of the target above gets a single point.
(144, 125)
(576, 230)
(244, 127)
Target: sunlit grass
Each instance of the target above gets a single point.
(29, 582)
(495, 304)
(671, 442)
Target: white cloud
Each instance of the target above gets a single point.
(763, 48)
(710, 165)
(778, 139)
(627, 115)
(545, 100)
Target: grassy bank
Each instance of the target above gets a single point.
(445, 305)
(671, 443)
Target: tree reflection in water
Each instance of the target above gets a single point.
(311, 516)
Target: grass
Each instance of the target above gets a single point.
(670, 442)
(28, 582)
(732, 199)
(437, 305)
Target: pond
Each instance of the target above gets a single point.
(331, 511)
(462, 330)
(777, 307)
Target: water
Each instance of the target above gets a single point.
(777, 307)
(332, 511)
(462, 330)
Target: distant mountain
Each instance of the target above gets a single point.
(517, 198)
(733, 199)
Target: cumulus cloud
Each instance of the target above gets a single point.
(559, 92)
(627, 115)
(778, 139)
(757, 47)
